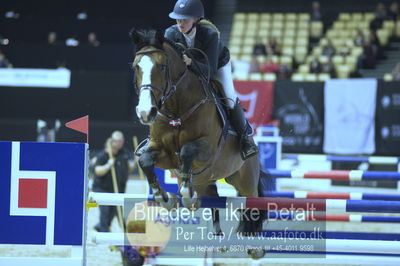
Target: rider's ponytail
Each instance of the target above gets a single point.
(209, 23)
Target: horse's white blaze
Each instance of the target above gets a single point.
(146, 65)
(144, 107)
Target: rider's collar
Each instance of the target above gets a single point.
(192, 33)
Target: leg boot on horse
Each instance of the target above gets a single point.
(147, 162)
(196, 150)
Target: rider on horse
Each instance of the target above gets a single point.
(192, 30)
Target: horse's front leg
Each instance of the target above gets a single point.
(195, 150)
(211, 191)
(147, 162)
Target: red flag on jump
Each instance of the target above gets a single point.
(81, 125)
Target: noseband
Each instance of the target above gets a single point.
(169, 89)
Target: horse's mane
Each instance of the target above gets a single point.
(179, 49)
(149, 38)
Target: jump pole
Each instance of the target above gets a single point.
(331, 195)
(353, 175)
(334, 205)
(382, 160)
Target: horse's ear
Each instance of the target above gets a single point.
(135, 36)
(160, 36)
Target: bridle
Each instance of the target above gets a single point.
(169, 88)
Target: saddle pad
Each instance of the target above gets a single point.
(227, 128)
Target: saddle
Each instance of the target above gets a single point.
(220, 100)
(215, 90)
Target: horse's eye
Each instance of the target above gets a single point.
(163, 67)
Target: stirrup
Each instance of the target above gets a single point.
(247, 149)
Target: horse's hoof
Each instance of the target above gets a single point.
(171, 203)
(158, 197)
(185, 191)
(256, 254)
(218, 233)
(192, 203)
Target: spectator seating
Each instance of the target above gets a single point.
(294, 31)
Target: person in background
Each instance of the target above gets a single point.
(329, 68)
(4, 63)
(396, 72)
(274, 47)
(359, 39)
(92, 164)
(52, 38)
(103, 181)
(92, 39)
(329, 50)
(393, 12)
(254, 65)
(284, 72)
(368, 57)
(315, 66)
(316, 11)
(380, 11)
(259, 48)
(47, 130)
(269, 66)
(378, 49)
(344, 50)
(380, 16)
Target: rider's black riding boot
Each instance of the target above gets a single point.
(247, 146)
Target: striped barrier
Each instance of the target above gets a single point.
(96, 199)
(336, 218)
(338, 235)
(352, 175)
(357, 159)
(329, 205)
(332, 195)
(333, 242)
(119, 237)
(381, 248)
(328, 259)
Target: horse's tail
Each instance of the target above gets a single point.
(255, 225)
(261, 184)
(265, 183)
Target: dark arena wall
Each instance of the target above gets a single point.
(101, 77)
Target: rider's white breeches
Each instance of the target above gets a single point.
(224, 76)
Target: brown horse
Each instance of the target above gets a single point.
(185, 131)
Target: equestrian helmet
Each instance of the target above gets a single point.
(187, 9)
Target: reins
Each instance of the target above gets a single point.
(170, 88)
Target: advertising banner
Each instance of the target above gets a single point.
(257, 98)
(23, 77)
(388, 119)
(350, 116)
(299, 106)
